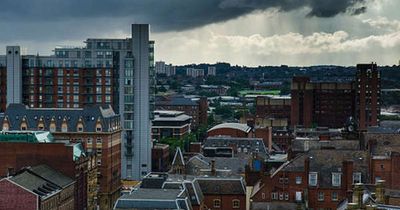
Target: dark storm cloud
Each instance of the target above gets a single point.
(164, 15)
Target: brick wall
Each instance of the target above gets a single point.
(11, 196)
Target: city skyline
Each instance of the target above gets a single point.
(240, 32)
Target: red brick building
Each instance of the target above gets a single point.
(197, 109)
(384, 150)
(38, 187)
(97, 128)
(20, 150)
(331, 104)
(160, 158)
(273, 107)
(223, 193)
(318, 179)
(368, 95)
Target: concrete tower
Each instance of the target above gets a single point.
(142, 107)
(14, 74)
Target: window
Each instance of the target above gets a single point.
(286, 196)
(99, 141)
(377, 178)
(334, 196)
(281, 196)
(263, 195)
(80, 128)
(336, 179)
(298, 196)
(217, 203)
(236, 203)
(298, 179)
(313, 178)
(321, 196)
(274, 196)
(356, 177)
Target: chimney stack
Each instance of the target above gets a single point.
(380, 191)
(213, 170)
(269, 139)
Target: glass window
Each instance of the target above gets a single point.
(334, 196)
(298, 179)
(313, 178)
(217, 203)
(321, 196)
(357, 178)
(236, 204)
(274, 196)
(336, 179)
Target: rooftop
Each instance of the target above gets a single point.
(238, 126)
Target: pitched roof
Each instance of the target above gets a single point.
(89, 115)
(56, 177)
(42, 180)
(144, 198)
(178, 158)
(325, 162)
(222, 186)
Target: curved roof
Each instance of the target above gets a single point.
(238, 126)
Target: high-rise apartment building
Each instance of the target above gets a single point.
(117, 72)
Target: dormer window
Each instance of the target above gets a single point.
(336, 179)
(313, 178)
(80, 128)
(64, 128)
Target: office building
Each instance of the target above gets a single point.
(102, 72)
(170, 124)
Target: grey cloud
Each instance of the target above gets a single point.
(165, 15)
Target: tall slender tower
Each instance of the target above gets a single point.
(14, 75)
(368, 95)
(142, 101)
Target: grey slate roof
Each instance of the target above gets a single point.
(324, 162)
(42, 180)
(90, 114)
(225, 166)
(144, 198)
(252, 145)
(56, 177)
(217, 186)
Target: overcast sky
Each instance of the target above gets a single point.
(243, 32)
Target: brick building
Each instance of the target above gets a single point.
(197, 109)
(21, 149)
(198, 193)
(384, 150)
(368, 95)
(272, 107)
(160, 158)
(101, 72)
(97, 128)
(37, 188)
(318, 179)
(331, 104)
(170, 124)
